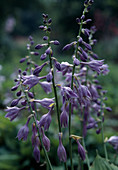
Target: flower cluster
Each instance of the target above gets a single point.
(81, 92)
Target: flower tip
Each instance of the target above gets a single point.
(75, 137)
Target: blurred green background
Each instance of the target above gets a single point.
(21, 18)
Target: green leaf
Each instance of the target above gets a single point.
(102, 164)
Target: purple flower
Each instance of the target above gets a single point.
(68, 46)
(76, 62)
(49, 51)
(39, 69)
(36, 153)
(30, 80)
(31, 95)
(22, 60)
(93, 92)
(46, 141)
(46, 86)
(88, 46)
(14, 88)
(56, 42)
(43, 56)
(84, 95)
(35, 138)
(23, 132)
(108, 109)
(38, 46)
(95, 65)
(45, 121)
(113, 140)
(46, 102)
(13, 112)
(57, 65)
(61, 152)
(49, 77)
(81, 150)
(68, 92)
(66, 67)
(104, 69)
(84, 54)
(64, 118)
(15, 102)
(86, 31)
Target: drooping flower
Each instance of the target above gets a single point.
(81, 150)
(46, 141)
(39, 69)
(68, 92)
(95, 65)
(13, 112)
(113, 140)
(36, 153)
(46, 86)
(64, 118)
(30, 80)
(66, 67)
(61, 152)
(34, 138)
(24, 131)
(45, 120)
(46, 102)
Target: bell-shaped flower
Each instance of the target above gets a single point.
(24, 131)
(46, 102)
(61, 152)
(104, 69)
(84, 95)
(13, 112)
(95, 65)
(93, 91)
(46, 86)
(45, 121)
(81, 150)
(113, 140)
(68, 92)
(64, 118)
(49, 77)
(31, 81)
(36, 153)
(66, 67)
(46, 141)
(34, 138)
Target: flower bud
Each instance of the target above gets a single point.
(38, 46)
(76, 62)
(56, 42)
(50, 21)
(45, 38)
(30, 94)
(43, 56)
(22, 60)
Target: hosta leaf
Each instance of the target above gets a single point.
(102, 164)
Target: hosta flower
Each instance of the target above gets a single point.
(46, 86)
(31, 81)
(81, 150)
(64, 118)
(46, 141)
(95, 65)
(46, 102)
(36, 153)
(104, 69)
(68, 46)
(39, 69)
(13, 112)
(49, 77)
(45, 120)
(61, 152)
(34, 138)
(66, 67)
(84, 95)
(93, 92)
(68, 92)
(113, 140)
(23, 132)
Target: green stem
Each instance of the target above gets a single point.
(45, 153)
(55, 93)
(73, 71)
(105, 149)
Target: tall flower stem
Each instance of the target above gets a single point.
(105, 149)
(45, 152)
(55, 93)
(102, 132)
(73, 71)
